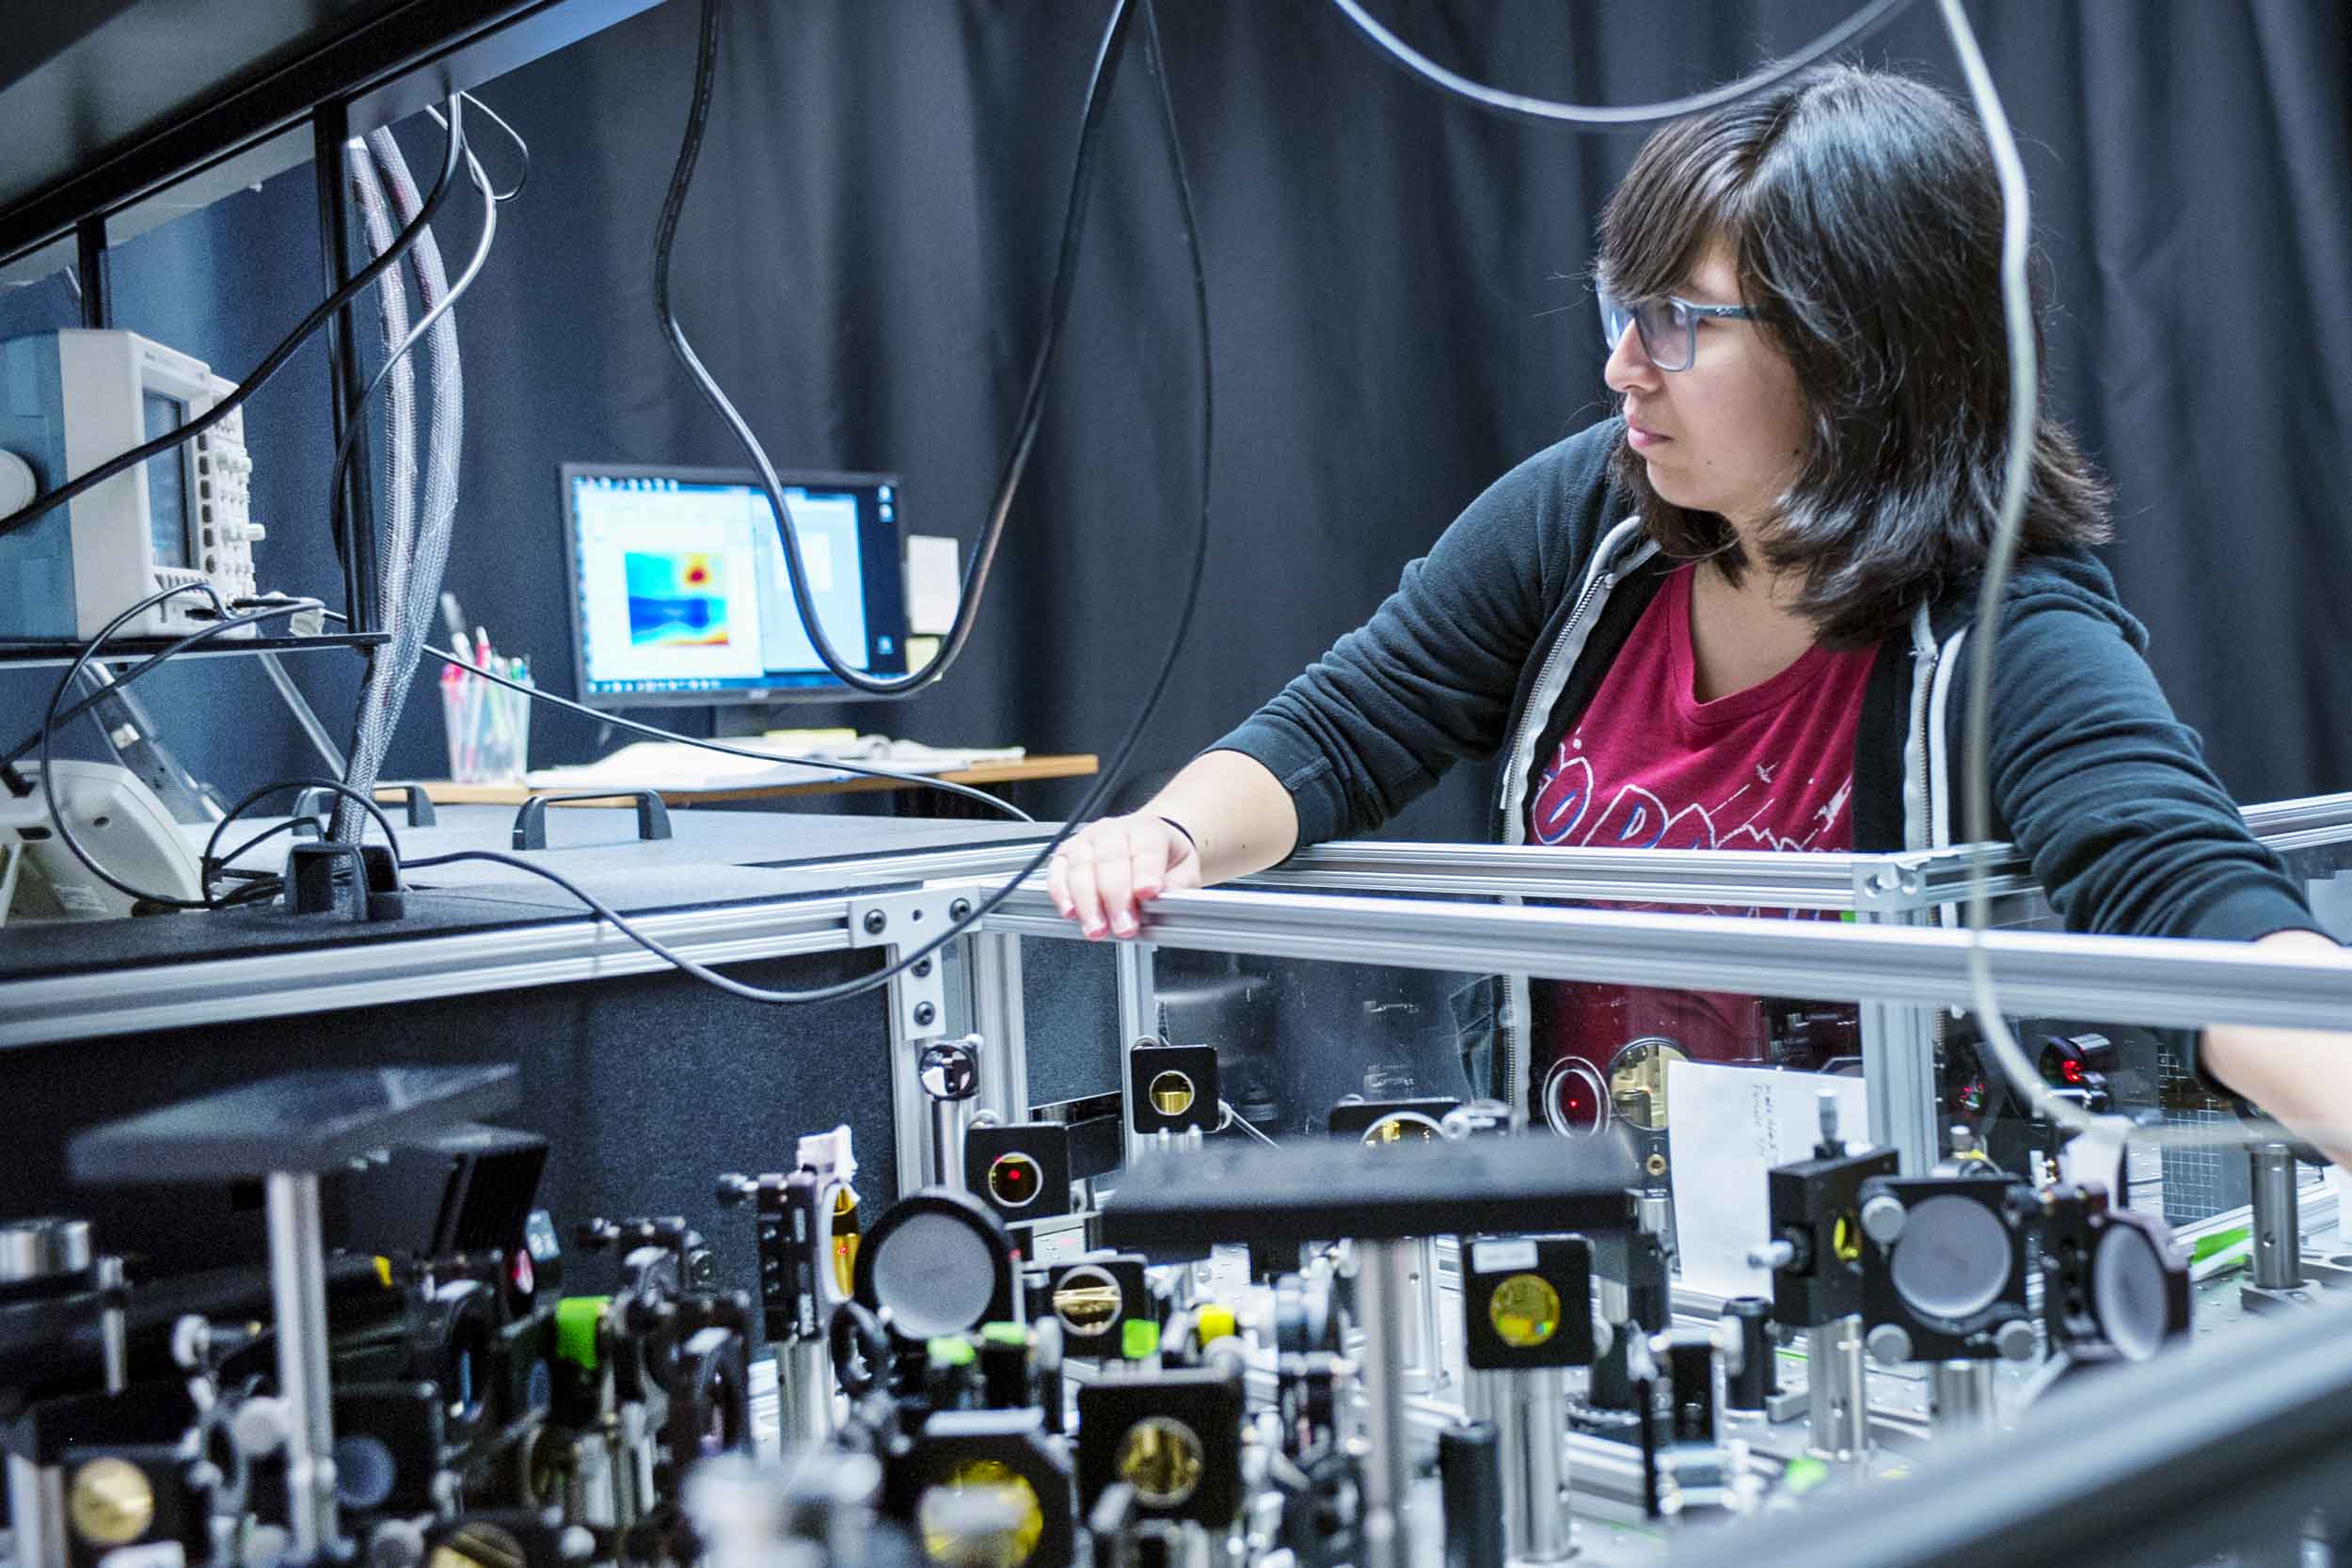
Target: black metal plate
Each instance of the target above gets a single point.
(1318, 1191)
(312, 1122)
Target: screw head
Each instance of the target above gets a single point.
(924, 1013)
(875, 921)
(922, 969)
(958, 909)
(2014, 1341)
(1890, 1344)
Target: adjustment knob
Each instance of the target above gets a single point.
(1773, 1255)
(1882, 1218)
(2014, 1341)
(1890, 1344)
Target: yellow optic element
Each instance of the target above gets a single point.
(477, 1546)
(384, 1272)
(1637, 1082)
(1163, 1460)
(111, 1503)
(1214, 1324)
(845, 1239)
(1845, 1237)
(1172, 1093)
(1402, 1126)
(945, 1540)
(1088, 1301)
(1525, 1311)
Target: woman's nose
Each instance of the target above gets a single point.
(1628, 367)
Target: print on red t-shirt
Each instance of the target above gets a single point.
(1649, 766)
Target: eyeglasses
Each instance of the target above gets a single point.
(1669, 326)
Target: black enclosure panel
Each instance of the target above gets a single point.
(646, 1086)
(1070, 1015)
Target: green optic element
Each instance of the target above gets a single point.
(1803, 1474)
(1004, 1333)
(1139, 1339)
(950, 1350)
(2208, 1245)
(576, 1321)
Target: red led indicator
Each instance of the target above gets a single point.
(526, 1278)
(2072, 1070)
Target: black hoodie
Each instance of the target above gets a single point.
(1501, 634)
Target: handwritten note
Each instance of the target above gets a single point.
(1730, 1125)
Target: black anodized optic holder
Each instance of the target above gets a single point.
(1125, 1424)
(1500, 1276)
(1173, 1088)
(1816, 1207)
(1890, 1287)
(1020, 1193)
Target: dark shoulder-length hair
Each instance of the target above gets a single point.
(1864, 217)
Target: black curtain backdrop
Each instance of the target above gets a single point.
(1397, 294)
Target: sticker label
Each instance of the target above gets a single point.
(156, 1554)
(1496, 1257)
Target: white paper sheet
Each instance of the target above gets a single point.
(1727, 1126)
(933, 585)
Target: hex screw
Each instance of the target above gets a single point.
(924, 1013)
(875, 921)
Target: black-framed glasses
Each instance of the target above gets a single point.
(1669, 326)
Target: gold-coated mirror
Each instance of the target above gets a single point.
(1637, 1081)
(476, 1544)
(1403, 1127)
(111, 1502)
(1162, 1458)
(1013, 1534)
(1088, 1301)
(1172, 1093)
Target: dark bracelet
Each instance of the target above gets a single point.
(1186, 831)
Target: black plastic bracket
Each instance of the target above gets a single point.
(311, 887)
(420, 813)
(531, 823)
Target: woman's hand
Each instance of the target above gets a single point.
(1109, 869)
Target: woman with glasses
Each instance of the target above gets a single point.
(1735, 615)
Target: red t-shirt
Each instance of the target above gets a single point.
(1649, 766)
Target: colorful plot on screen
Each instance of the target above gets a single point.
(676, 600)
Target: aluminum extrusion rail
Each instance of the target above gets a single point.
(1701, 876)
(1884, 883)
(61, 1008)
(2162, 981)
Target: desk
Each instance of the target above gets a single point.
(1028, 769)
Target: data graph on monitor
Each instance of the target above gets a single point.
(680, 591)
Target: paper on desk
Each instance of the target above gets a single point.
(1729, 1125)
(933, 585)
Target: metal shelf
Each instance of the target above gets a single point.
(33, 652)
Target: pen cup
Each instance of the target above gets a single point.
(490, 731)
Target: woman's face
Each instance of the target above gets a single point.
(1726, 435)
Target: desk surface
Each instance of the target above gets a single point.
(445, 793)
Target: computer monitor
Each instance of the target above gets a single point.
(679, 594)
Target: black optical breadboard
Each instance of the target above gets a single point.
(310, 1121)
(1320, 1192)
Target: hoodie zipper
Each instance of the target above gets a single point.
(1542, 697)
